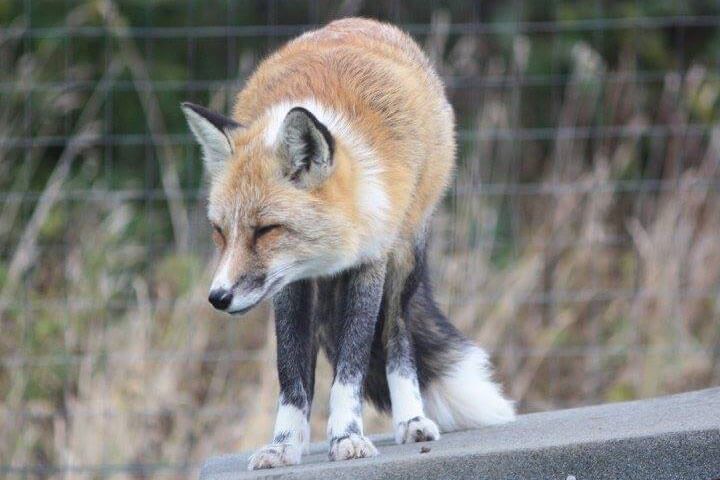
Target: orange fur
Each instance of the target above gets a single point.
(382, 87)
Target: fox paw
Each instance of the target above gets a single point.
(351, 446)
(417, 429)
(275, 455)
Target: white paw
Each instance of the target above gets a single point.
(352, 446)
(275, 455)
(418, 429)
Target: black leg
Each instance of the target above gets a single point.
(355, 336)
(296, 354)
(403, 276)
(296, 349)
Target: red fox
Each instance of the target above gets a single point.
(323, 180)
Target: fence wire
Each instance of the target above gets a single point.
(577, 242)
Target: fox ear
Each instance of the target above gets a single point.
(307, 148)
(212, 133)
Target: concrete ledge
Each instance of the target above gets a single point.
(674, 437)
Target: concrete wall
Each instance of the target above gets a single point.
(674, 437)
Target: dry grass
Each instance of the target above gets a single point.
(587, 285)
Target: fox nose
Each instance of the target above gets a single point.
(220, 298)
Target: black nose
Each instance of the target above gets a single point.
(220, 298)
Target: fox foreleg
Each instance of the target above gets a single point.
(345, 428)
(296, 354)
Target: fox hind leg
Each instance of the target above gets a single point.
(409, 420)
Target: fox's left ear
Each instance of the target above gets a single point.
(306, 148)
(212, 132)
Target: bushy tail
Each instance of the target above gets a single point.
(465, 396)
(455, 375)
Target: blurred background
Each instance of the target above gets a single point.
(579, 242)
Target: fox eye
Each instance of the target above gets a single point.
(265, 229)
(218, 235)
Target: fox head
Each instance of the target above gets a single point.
(276, 202)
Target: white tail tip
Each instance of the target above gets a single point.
(466, 397)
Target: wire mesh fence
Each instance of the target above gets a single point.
(578, 242)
